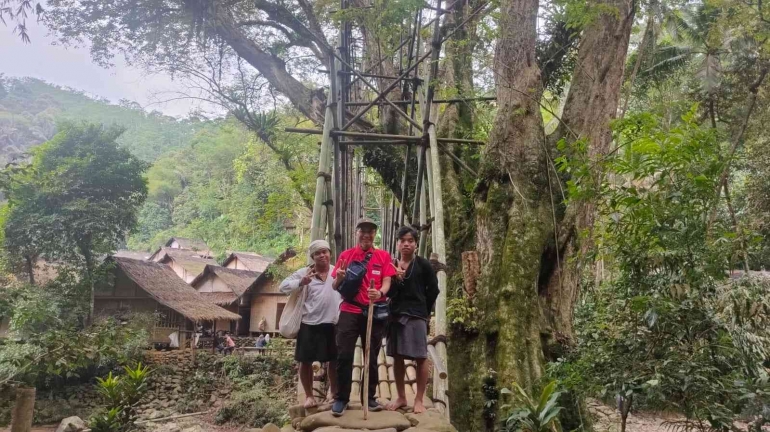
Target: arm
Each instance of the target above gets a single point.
(431, 286)
(291, 283)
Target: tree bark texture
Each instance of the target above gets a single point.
(591, 105)
(23, 409)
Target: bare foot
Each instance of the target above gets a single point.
(310, 402)
(396, 404)
(418, 407)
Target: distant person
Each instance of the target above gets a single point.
(267, 339)
(229, 344)
(352, 322)
(414, 293)
(316, 337)
(261, 342)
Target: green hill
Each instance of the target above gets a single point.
(30, 108)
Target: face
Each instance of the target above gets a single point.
(322, 258)
(407, 244)
(365, 236)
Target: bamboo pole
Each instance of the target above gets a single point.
(440, 386)
(423, 222)
(316, 227)
(367, 355)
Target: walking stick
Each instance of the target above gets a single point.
(367, 353)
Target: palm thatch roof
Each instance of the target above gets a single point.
(252, 261)
(237, 280)
(191, 244)
(131, 254)
(187, 259)
(163, 285)
(220, 298)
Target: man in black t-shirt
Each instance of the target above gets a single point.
(412, 298)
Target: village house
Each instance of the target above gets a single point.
(267, 303)
(146, 286)
(228, 288)
(198, 246)
(187, 264)
(247, 261)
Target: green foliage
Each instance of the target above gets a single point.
(48, 345)
(666, 328)
(462, 313)
(263, 387)
(31, 108)
(254, 406)
(121, 395)
(532, 414)
(76, 199)
(228, 189)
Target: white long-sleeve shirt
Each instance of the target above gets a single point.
(322, 304)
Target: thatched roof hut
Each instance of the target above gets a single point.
(223, 286)
(191, 244)
(247, 261)
(186, 264)
(163, 285)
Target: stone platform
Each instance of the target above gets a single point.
(321, 420)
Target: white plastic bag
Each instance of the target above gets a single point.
(291, 318)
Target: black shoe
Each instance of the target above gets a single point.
(374, 406)
(338, 408)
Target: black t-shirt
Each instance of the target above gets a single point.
(417, 293)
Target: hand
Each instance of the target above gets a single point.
(399, 272)
(342, 271)
(375, 294)
(308, 277)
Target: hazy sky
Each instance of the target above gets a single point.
(72, 67)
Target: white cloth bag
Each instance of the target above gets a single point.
(291, 318)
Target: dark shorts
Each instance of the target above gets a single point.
(408, 337)
(315, 343)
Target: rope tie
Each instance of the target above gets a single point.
(326, 176)
(328, 203)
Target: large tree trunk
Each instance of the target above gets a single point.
(309, 102)
(591, 105)
(513, 223)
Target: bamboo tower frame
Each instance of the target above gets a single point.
(340, 194)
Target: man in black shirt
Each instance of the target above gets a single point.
(412, 299)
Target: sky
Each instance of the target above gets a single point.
(73, 67)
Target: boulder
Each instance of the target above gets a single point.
(253, 430)
(355, 420)
(71, 424)
(338, 429)
(270, 428)
(430, 421)
(287, 428)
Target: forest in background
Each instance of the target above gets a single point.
(208, 179)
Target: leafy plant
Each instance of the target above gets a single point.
(530, 414)
(106, 421)
(121, 394)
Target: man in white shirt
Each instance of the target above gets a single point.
(316, 340)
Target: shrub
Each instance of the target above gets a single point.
(254, 407)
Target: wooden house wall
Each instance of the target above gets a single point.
(236, 264)
(267, 302)
(213, 283)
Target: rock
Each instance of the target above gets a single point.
(287, 428)
(171, 427)
(355, 420)
(338, 429)
(213, 398)
(71, 424)
(430, 421)
(270, 428)
(155, 415)
(193, 428)
(253, 430)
